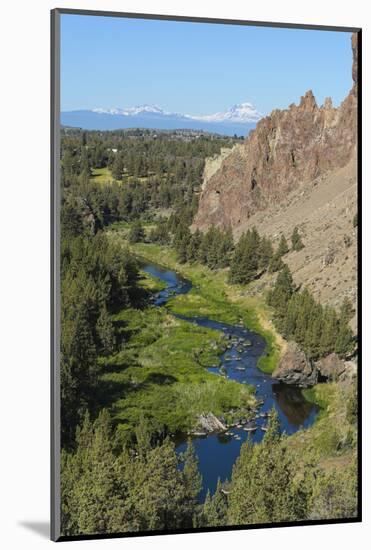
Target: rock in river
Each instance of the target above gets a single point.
(209, 423)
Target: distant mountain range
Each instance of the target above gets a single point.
(239, 119)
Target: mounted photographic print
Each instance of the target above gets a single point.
(205, 351)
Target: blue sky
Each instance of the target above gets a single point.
(197, 68)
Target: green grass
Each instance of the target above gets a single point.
(151, 283)
(332, 437)
(161, 373)
(212, 296)
(102, 175)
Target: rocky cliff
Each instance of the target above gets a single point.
(298, 168)
(287, 149)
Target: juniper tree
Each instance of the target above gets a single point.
(192, 483)
(283, 247)
(244, 264)
(106, 332)
(215, 508)
(276, 263)
(263, 486)
(282, 291)
(296, 241)
(329, 331)
(117, 167)
(136, 233)
(265, 253)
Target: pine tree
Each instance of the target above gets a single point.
(276, 263)
(117, 167)
(314, 333)
(283, 247)
(215, 508)
(346, 311)
(296, 241)
(263, 486)
(283, 289)
(244, 264)
(106, 332)
(192, 482)
(344, 343)
(193, 246)
(183, 250)
(205, 245)
(265, 253)
(305, 305)
(329, 332)
(136, 233)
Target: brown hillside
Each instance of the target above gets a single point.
(296, 168)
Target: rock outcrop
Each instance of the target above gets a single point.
(288, 148)
(294, 368)
(333, 368)
(209, 423)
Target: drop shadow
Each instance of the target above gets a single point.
(41, 528)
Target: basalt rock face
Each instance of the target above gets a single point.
(294, 368)
(288, 148)
(333, 367)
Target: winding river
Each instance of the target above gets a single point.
(218, 452)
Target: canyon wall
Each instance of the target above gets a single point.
(287, 149)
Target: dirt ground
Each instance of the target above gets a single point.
(324, 211)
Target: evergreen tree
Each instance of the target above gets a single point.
(305, 306)
(265, 253)
(344, 343)
(193, 246)
(215, 508)
(136, 233)
(263, 485)
(192, 481)
(280, 295)
(88, 487)
(283, 247)
(117, 167)
(296, 242)
(329, 332)
(314, 333)
(244, 264)
(276, 263)
(205, 246)
(106, 332)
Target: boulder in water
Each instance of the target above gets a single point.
(209, 423)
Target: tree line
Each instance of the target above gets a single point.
(247, 259)
(319, 330)
(97, 277)
(159, 171)
(107, 488)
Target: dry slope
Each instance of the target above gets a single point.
(297, 167)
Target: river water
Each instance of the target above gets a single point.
(218, 452)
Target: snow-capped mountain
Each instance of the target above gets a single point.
(239, 119)
(133, 111)
(244, 112)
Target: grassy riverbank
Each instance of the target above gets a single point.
(161, 372)
(212, 296)
(331, 442)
